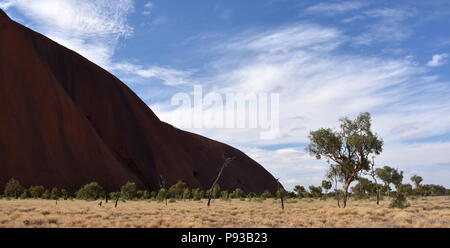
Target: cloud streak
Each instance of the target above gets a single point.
(437, 60)
(92, 28)
(318, 84)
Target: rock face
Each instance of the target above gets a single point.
(65, 121)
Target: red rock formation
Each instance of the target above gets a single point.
(65, 121)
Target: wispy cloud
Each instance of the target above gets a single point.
(148, 8)
(387, 24)
(334, 8)
(169, 76)
(437, 60)
(318, 84)
(91, 28)
(5, 4)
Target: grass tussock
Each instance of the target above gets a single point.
(423, 212)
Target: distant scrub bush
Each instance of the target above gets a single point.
(13, 189)
(129, 191)
(54, 194)
(36, 191)
(90, 191)
(399, 201)
(162, 195)
(266, 194)
(46, 195)
(65, 194)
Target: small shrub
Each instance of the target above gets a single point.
(399, 201)
(162, 194)
(90, 191)
(237, 193)
(46, 195)
(36, 191)
(153, 194)
(196, 194)
(65, 194)
(186, 194)
(13, 189)
(266, 194)
(55, 194)
(24, 195)
(145, 195)
(129, 191)
(251, 195)
(177, 190)
(224, 195)
(114, 195)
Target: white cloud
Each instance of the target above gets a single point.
(335, 8)
(318, 84)
(389, 24)
(167, 75)
(91, 28)
(148, 8)
(5, 4)
(437, 60)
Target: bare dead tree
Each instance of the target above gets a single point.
(106, 197)
(117, 200)
(227, 161)
(162, 184)
(281, 193)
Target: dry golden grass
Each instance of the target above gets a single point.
(424, 212)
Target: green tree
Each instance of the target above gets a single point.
(162, 195)
(186, 194)
(416, 180)
(315, 191)
(251, 195)
(146, 195)
(215, 191)
(176, 190)
(405, 189)
(300, 191)
(237, 193)
(224, 195)
(129, 191)
(24, 194)
(153, 194)
(90, 191)
(326, 185)
(46, 195)
(389, 176)
(348, 148)
(36, 191)
(114, 195)
(399, 201)
(13, 189)
(335, 176)
(54, 193)
(266, 194)
(65, 194)
(196, 194)
(281, 193)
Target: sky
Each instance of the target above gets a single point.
(325, 60)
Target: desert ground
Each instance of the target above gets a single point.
(423, 212)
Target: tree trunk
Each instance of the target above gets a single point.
(346, 185)
(338, 198)
(378, 196)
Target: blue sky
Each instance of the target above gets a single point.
(326, 59)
